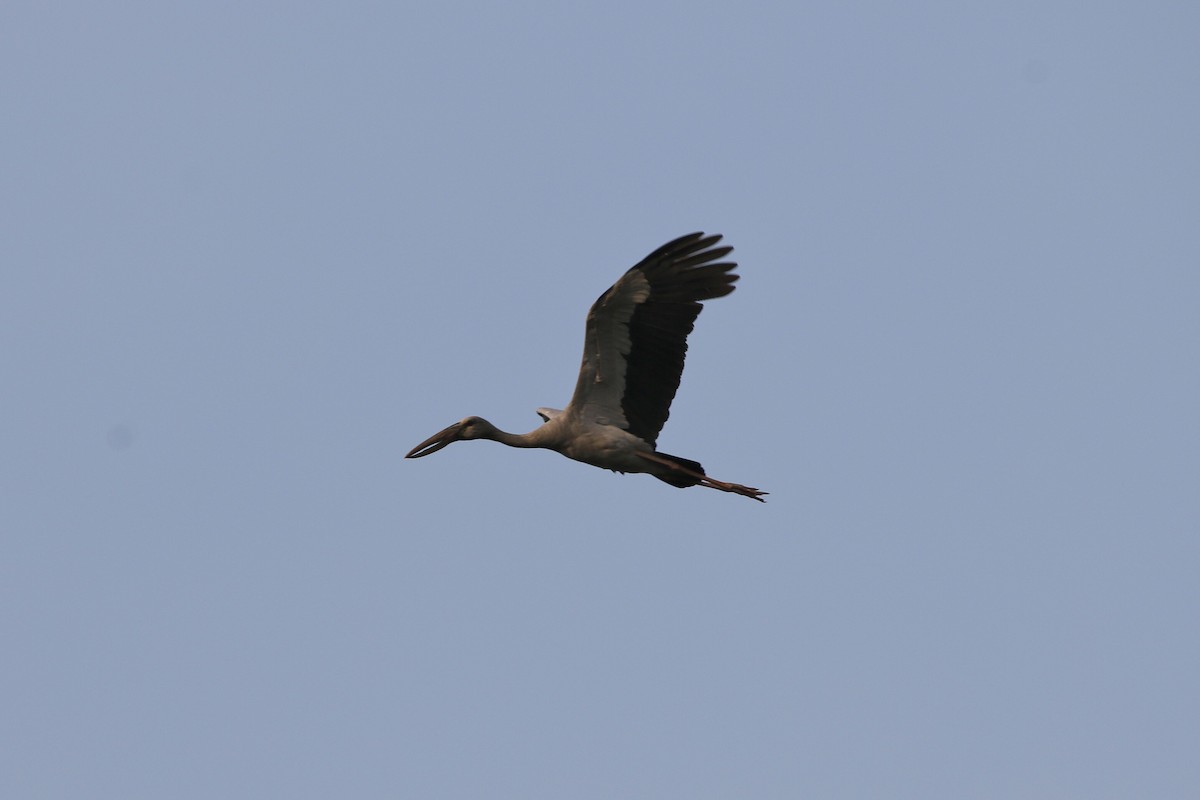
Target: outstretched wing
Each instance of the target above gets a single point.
(637, 334)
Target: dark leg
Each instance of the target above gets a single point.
(704, 480)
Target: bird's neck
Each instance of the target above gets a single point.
(535, 438)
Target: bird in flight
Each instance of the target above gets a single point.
(632, 361)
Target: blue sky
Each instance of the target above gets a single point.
(253, 253)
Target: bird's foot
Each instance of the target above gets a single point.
(736, 488)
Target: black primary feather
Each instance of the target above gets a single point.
(681, 274)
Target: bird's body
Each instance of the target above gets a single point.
(633, 356)
(601, 445)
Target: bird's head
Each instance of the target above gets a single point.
(468, 428)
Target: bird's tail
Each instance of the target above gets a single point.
(681, 480)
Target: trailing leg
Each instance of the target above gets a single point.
(682, 472)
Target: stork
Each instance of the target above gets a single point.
(632, 361)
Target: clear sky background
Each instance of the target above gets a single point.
(251, 253)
